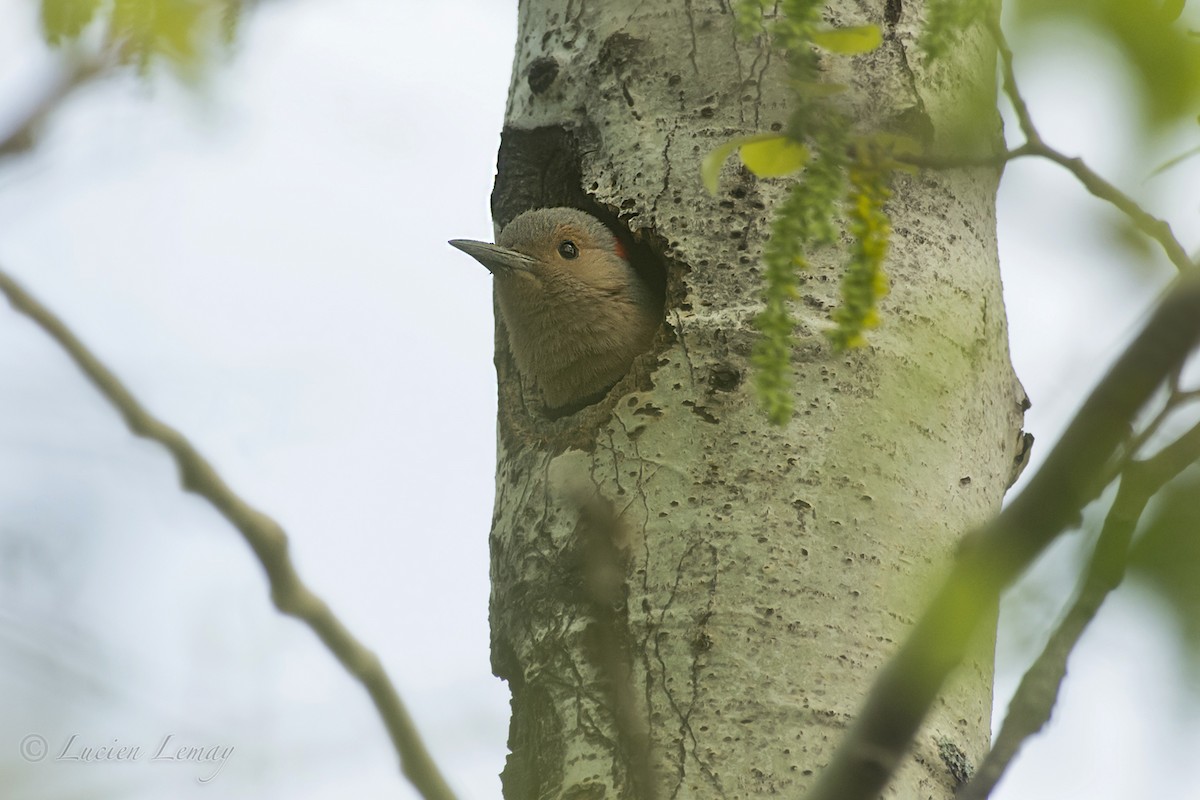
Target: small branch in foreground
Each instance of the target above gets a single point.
(1177, 397)
(1035, 698)
(1157, 229)
(602, 542)
(23, 135)
(265, 537)
(1020, 108)
(992, 556)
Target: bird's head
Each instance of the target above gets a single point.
(549, 246)
(576, 310)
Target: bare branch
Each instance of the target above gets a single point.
(265, 537)
(1157, 229)
(1177, 397)
(995, 554)
(994, 160)
(1020, 108)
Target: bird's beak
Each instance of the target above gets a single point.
(496, 258)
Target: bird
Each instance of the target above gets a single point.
(576, 310)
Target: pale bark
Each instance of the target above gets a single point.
(770, 570)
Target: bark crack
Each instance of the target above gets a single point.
(688, 11)
(910, 75)
(742, 72)
(758, 90)
(616, 464)
(666, 183)
(686, 734)
(687, 359)
(755, 73)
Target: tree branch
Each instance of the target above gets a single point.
(265, 537)
(1035, 698)
(603, 557)
(23, 135)
(994, 160)
(992, 556)
(1157, 229)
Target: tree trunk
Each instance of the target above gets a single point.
(767, 572)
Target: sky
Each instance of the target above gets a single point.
(262, 259)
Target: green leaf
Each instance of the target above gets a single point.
(1159, 52)
(710, 167)
(770, 156)
(1171, 10)
(176, 30)
(947, 20)
(849, 41)
(748, 17)
(183, 33)
(774, 156)
(66, 19)
(231, 17)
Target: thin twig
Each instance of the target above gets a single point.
(265, 537)
(1020, 108)
(23, 135)
(992, 556)
(1176, 398)
(1157, 229)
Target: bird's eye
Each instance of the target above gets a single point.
(568, 250)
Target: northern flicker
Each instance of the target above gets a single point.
(576, 310)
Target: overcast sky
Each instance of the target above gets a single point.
(264, 262)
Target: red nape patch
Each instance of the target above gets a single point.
(620, 248)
